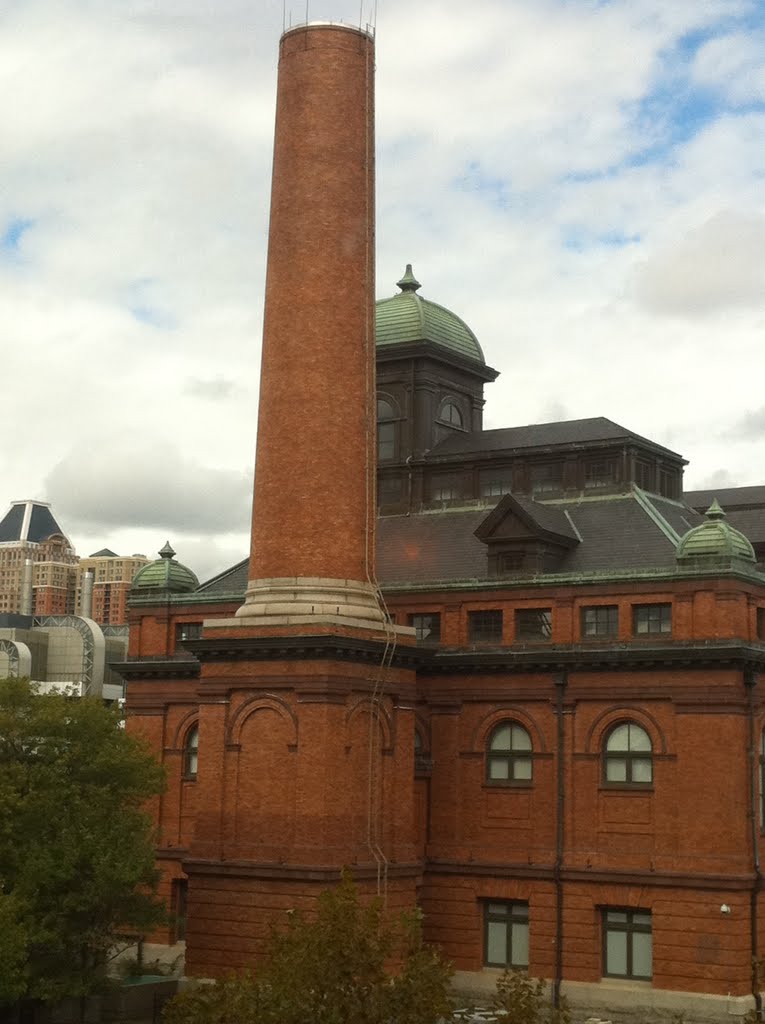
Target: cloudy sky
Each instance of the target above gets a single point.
(582, 181)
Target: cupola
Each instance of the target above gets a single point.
(715, 543)
(164, 574)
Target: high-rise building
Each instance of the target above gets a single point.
(112, 576)
(31, 536)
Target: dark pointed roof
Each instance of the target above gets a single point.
(30, 521)
(104, 553)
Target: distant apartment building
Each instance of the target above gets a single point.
(40, 573)
(31, 537)
(112, 577)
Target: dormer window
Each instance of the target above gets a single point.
(387, 430)
(448, 420)
(450, 414)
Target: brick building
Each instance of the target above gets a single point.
(31, 536)
(547, 728)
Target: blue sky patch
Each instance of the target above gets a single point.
(10, 242)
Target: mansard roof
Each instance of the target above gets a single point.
(596, 431)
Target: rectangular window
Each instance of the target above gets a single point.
(493, 483)
(427, 627)
(599, 473)
(547, 476)
(187, 631)
(627, 944)
(389, 490)
(445, 487)
(644, 475)
(533, 623)
(179, 902)
(600, 620)
(761, 623)
(669, 483)
(506, 934)
(651, 619)
(386, 441)
(485, 627)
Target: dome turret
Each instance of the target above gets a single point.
(715, 542)
(407, 317)
(165, 574)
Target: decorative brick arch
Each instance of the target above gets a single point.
(190, 719)
(606, 720)
(422, 726)
(380, 714)
(263, 702)
(508, 713)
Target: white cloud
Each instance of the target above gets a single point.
(717, 266)
(533, 163)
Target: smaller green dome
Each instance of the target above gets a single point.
(714, 542)
(407, 317)
(165, 574)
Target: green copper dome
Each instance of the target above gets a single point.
(715, 541)
(165, 574)
(407, 317)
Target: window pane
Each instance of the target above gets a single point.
(521, 739)
(642, 920)
(520, 945)
(500, 909)
(619, 739)
(616, 953)
(500, 738)
(499, 768)
(616, 769)
(641, 955)
(384, 410)
(496, 942)
(638, 738)
(522, 769)
(641, 770)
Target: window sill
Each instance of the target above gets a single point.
(626, 787)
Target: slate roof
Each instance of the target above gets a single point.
(626, 532)
(31, 521)
(105, 553)
(619, 533)
(230, 582)
(729, 497)
(744, 506)
(542, 435)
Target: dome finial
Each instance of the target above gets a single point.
(408, 282)
(715, 510)
(166, 551)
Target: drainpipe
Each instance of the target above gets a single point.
(749, 683)
(561, 681)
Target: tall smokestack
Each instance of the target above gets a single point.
(312, 550)
(27, 593)
(86, 598)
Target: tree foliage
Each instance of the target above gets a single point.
(76, 851)
(524, 1000)
(350, 964)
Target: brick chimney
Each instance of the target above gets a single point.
(312, 553)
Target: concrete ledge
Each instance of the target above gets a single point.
(617, 1000)
(312, 598)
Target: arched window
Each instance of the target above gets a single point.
(451, 414)
(509, 754)
(627, 759)
(387, 425)
(191, 753)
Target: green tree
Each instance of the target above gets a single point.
(350, 964)
(76, 852)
